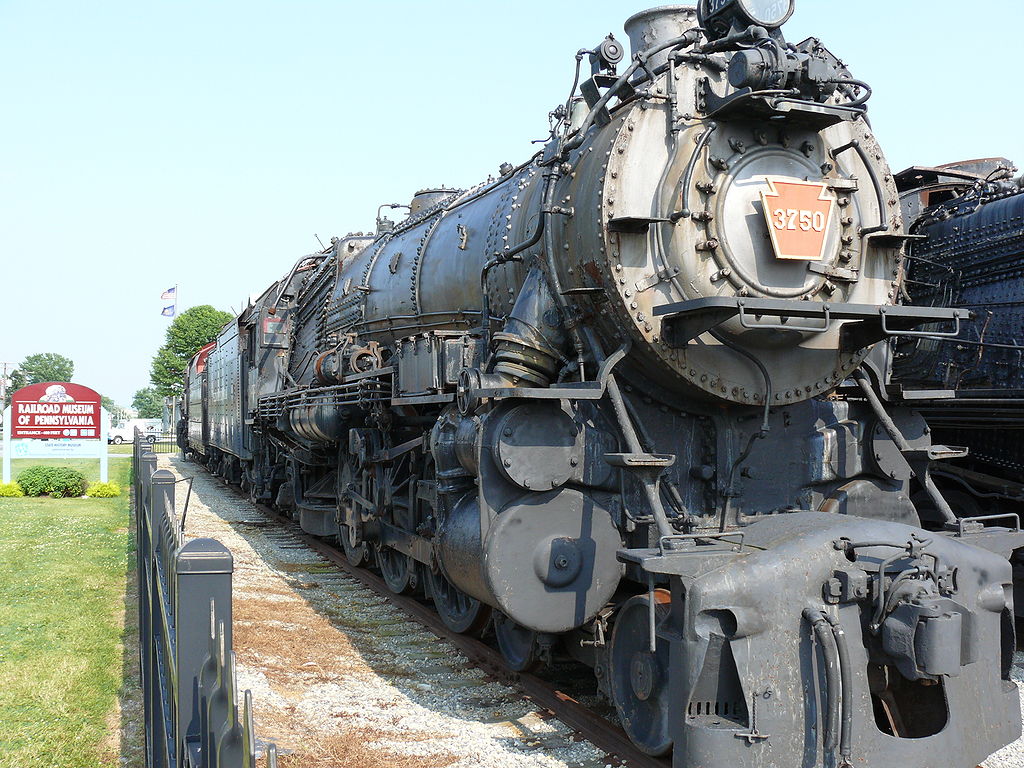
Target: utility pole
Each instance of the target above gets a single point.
(3, 389)
(3, 383)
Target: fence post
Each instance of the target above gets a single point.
(202, 569)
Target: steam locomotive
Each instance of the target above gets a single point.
(969, 217)
(624, 402)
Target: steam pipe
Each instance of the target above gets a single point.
(827, 641)
(860, 100)
(272, 310)
(685, 212)
(687, 39)
(846, 676)
(549, 257)
(485, 301)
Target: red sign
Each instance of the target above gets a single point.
(56, 410)
(798, 214)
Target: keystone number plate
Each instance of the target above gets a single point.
(798, 214)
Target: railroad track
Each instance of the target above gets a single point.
(587, 724)
(602, 733)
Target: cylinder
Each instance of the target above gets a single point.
(317, 423)
(459, 551)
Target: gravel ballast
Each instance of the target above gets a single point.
(340, 677)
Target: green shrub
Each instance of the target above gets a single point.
(35, 481)
(67, 483)
(103, 490)
(59, 482)
(10, 490)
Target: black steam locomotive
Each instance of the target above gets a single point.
(622, 403)
(969, 218)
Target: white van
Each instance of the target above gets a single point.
(125, 431)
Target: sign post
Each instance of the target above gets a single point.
(7, 445)
(55, 420)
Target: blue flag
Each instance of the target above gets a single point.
(168, 311)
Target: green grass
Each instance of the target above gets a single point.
(64, 565)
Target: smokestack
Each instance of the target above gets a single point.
(656, 25)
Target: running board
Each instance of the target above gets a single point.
(862, 324)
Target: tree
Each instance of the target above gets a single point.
(191, 331)
(148, 403)
(39, 368)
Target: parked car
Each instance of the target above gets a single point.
(125, 431)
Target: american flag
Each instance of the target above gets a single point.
(169, 293)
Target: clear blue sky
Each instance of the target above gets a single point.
(203, 144)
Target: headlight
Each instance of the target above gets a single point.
(768, 13)
(718, 16)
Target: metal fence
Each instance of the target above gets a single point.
(159, 442)
(193, 715)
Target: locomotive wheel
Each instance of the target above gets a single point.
(350, 537)
(639, 678)
(459, 612)
(397, 570)
(518, 645)
(357, 552)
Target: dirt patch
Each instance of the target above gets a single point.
(333, 752)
